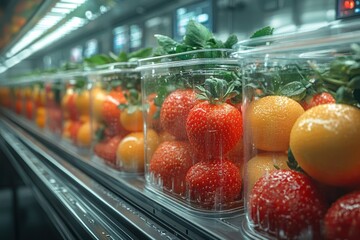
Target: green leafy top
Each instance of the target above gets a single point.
(342, 77)
(292, 163)
(290, 80)
(197, 37)
(102, 59)
(266, 31)
(133, 101)
(216, 90)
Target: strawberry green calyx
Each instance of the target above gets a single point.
(292, 163)
(217, 91)
(133, 101)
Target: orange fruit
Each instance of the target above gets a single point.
(82, 102)
(132, 120)
(18, 106)
(40, 122)
(262, 164)
(130, 153)
(325, 141)
(98, 97)
(83, 137)
(271, 119)
(27, 92)
(152, 142)
(66, 129)
(40, 119)
(84, 118)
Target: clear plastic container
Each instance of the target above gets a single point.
(193, 147)
(301, 149)
(75, 105)
(118, 119)
(53, 93)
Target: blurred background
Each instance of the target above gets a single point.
(36, 34)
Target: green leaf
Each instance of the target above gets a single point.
(355, 82)
(292, 163)
(231, 41)
(167, 44)
(266, 31)
(357, 97)
(98, 60)
(294, 90)
(344, 95)
(123, 57)
(159, 51)
(141, 53)
(197, 34)
(99, 133)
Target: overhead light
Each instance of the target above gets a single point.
(66, 5)
(71, 25)
(52, 18)
(61, 10)
(26, 46)
(74, 1)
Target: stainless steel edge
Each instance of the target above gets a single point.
(189, 224)
(123, 209)
(81, 212)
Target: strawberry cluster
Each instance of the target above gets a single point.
(197, 164)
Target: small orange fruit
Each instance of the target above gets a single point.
(83, 103)
(66, 129)
(98, 97)
(132, 119)
(83, 137)
(130, 153)
(325, 141)
(262, 164)
(271, 119)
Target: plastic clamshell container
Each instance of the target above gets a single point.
(75, 105)
(285, 130)
(28, 99)
(117, 117)
(194, 163)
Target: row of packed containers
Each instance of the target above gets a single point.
(269, 127)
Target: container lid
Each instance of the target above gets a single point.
(331, 42)
(120, 67)
(333, 28)
(204, 56)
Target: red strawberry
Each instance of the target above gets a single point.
(111, 113)
(74, 128)
(342, 220)
(107, 149)
(287, 204)
(214, 129)
(29, 109)
(214, 184)
(175, 110)
(318, 99)
(169, 164)
(71, 107)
